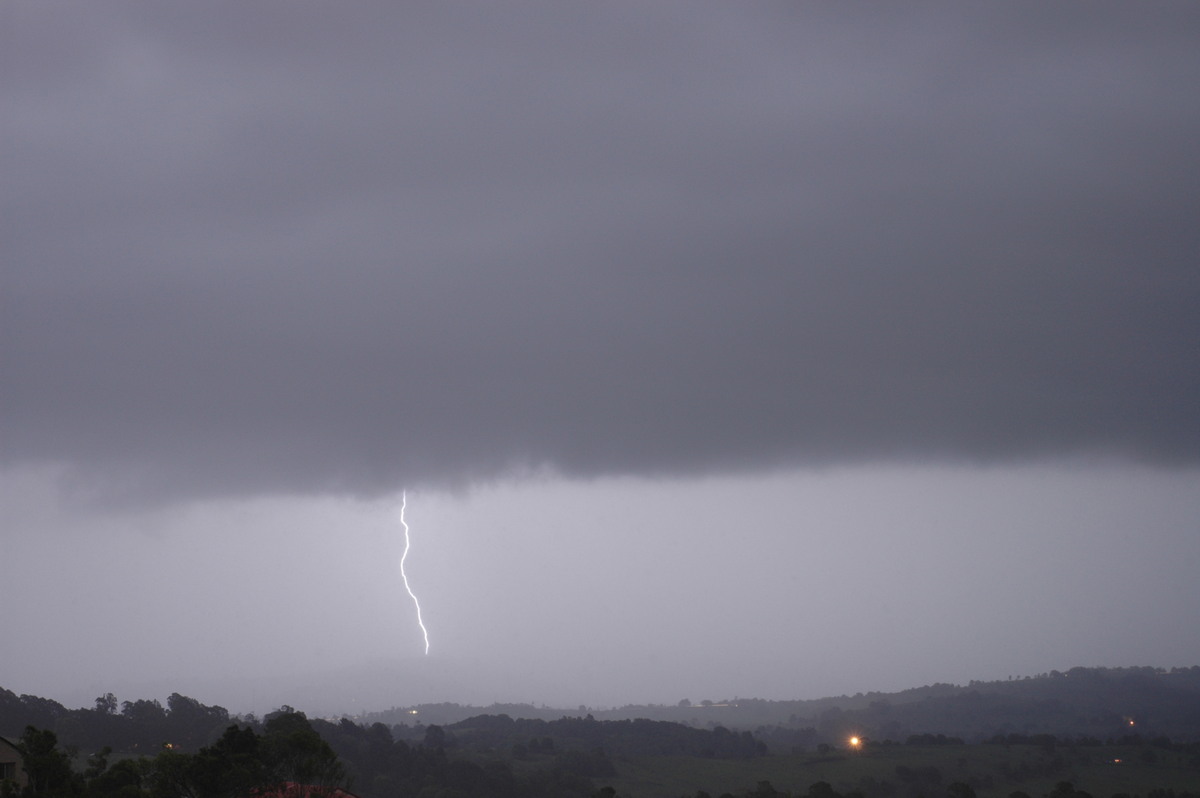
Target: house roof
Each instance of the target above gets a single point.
(292, 789)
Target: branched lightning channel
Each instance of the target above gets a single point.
(404, 575)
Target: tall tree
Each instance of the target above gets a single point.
(294, 752)
(48, 769)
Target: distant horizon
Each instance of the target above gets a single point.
(566, 707)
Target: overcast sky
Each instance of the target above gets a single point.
(722, 349)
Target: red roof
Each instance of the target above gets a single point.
(292, 789)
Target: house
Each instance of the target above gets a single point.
(12, 765)
(292, 789)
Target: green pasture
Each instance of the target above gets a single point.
(900, 771)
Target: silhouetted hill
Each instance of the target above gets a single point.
(1100, 703)
(639, 737)
(1091, 702)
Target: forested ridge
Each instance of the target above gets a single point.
(1080, 702)
(189, 750)
(992, 740)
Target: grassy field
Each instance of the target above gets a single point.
(897, 771)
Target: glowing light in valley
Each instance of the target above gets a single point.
(404, 574)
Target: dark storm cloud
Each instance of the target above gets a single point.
(303, 246)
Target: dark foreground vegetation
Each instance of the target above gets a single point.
(142, 749)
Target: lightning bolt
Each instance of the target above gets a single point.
(404, 575)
